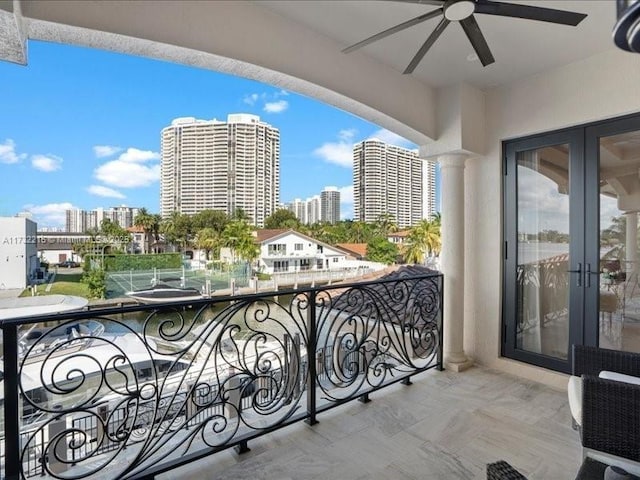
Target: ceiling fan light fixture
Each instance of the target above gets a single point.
(456, 10)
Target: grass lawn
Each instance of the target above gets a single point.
(64, 284)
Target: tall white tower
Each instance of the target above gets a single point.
(330, 205)
(387, 180)
(211, 164)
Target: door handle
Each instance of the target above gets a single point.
(579, 272)
(589, 273)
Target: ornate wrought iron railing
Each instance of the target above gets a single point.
(184, 380)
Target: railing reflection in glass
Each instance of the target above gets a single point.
(95, 395)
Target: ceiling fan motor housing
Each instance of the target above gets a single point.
(456, 10)
(626, 32)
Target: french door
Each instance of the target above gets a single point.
(544, 247)
(571, 202)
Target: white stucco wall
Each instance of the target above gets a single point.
(603, 86)
(18, 254)
(53, 256)
(308, 252)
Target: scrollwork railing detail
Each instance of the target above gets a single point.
(102, 397)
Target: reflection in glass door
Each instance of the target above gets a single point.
(544, 248)
(619, 188)
(542, 272)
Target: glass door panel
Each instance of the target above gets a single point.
(543, 254)
(619, 198)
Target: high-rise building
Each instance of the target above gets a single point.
(429, 189)
(211, 164)
(76, 220)
(387, 180)
(79, 221)
(330, 205)
(314, 210)
(299, 209)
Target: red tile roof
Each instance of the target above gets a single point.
(266, 234)
(359, 249)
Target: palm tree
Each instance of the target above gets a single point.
(209, 240)
(145, 221)
(155, 229)
(177, 229)
(385, 224)
(238, 236)
(424, 238)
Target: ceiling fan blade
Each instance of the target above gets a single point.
(542, 14)
(437, 3)
(427, 45)
(474, 34)
(392, 30)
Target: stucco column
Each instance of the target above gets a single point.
(452, 259)
(631, 247)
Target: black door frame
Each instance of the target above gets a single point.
(593, 133)
(575, 139)
(584, 227)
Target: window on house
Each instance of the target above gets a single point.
(297, 246)
(277, 249)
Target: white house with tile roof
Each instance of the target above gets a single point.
(289, 251)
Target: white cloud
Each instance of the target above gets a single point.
(270, 101)
(46, 163)
(347, 135)
(102, 151)
(278, 106)
(134, 155)
(51, 214)
(387, 136)
(346, 202)
(346, 195)
(251, 98)
(128, 171)
(340, 152)
(126, 174)
(103, 191)
(8, 152)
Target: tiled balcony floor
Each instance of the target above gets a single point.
(444, 426)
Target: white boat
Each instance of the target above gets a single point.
(74, 374)
(161, 292)
(42, 305)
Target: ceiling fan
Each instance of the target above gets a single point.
(462, 11)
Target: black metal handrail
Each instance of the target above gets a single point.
(193, 378)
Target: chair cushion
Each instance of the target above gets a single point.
(619, 377)
(574, 390)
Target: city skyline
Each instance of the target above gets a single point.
(82, 127)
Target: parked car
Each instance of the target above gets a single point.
(68, 264)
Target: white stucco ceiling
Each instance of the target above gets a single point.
(520, 47)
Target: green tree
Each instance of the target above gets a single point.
(209, 240)
(282, 218)
(113, 235)
(177, 229)
(424, 239)
(385, 224)
(214, 219)
(155, 229)
(238, 236)
(240, 214)
(96, 282)
(145, 220)
(379, 249)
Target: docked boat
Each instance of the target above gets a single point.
(165, 293)
(42, 305)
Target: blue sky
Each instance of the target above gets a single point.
(81, 128)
